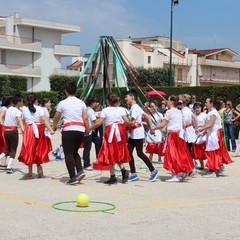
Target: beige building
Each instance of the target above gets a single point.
(192, 67)
(33, 48)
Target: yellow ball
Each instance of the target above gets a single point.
(82, 200)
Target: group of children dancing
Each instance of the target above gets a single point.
(180, 135)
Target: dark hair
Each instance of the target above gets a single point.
(132, 93)
(17, 98)
(71, 87)
(174, 99)
(198, 104)
(44, 101)
(91, 100)
(6, 101)
(216, 103)
(31, 98)
(113, 99)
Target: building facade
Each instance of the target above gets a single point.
(192, 67)
(33, 49)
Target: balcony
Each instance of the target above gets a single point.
(178, 61)
(58, 71)
(220, 80)
(26, 71)
(67, 50)
(20, 44)
(217, 63)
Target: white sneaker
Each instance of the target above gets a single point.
(210, 175)
(173, 179)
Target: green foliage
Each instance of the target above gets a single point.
(58, 83)
(53, 96)
(12, 84)
(154, 76)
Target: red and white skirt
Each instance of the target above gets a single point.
(3, 145)
(198, 151)
(216, 158)
(114, 148)
(177, 156)
(35, 150)
(156, 148)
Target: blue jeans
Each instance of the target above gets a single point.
(93, 137)
(229, 133)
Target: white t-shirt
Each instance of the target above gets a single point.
(174, 118)
(157, 118)
(3, 108)
(91, 116)
(11, 116)
(30, 117)
(187, 115)
(217, 124)
(201, 119)
(46, 113)
(136, 112)
(113, 115)
(71, 109)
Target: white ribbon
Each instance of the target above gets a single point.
(114, 129)
(35, 129)
(212, 142)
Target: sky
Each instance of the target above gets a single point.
(200, 24)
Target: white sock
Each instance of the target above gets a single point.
(10, 162)
(2, 155)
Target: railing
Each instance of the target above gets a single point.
(183, 79)
(178, 61)
(59, 71)
(67, 50)
(19, 43)
(28, 71)
(220, 79)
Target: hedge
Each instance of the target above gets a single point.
(12, 84)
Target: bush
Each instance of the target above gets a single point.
(12, 84)
(58, 83)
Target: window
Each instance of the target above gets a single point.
(149, 59)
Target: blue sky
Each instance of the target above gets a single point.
(200, 24)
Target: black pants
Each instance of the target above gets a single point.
(93, 137)
(71, 141)
(11, 138)
(138, 143)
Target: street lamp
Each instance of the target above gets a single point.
(173, 3)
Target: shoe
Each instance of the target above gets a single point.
(184, 175)
(210, 174)
(173, 179)
(153, 176)
(9, 170)
(72, 181)
(54, 153)
(133, 177)
(193, 173)
(58, 158)
(89, 168)
(80, 176)
(111, 180)
(220, 170)
(160, 161)
(3, 166)
(125, 175)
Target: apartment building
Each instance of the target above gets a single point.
(32, 48)
(191, 67)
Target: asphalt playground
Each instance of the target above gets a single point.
(197, 208)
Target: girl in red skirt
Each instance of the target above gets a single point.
(114, 149)
(177, 156)
(199, 147)
(155, 143)
(216, 151)
(35, 147)
(6, 103)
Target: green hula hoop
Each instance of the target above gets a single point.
(112, 207)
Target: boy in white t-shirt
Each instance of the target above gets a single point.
(137, 136)
(92, 137)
